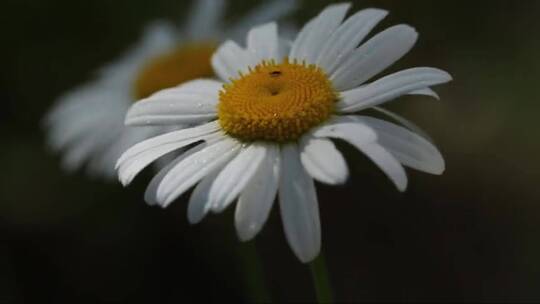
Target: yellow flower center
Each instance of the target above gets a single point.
(173, 68)
(276, 102)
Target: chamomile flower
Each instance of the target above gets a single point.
(87, 123)
(265, 129)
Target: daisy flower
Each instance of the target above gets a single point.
(266, 128)
(87, 122)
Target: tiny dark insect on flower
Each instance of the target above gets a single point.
(275, 74)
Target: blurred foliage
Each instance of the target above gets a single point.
(470, 234)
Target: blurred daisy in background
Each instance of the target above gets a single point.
(87, 124)
(273, 114)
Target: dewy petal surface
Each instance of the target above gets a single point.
(299, 206)
(192, 169)
(255, 202)
(193, 102)
(150, 195)
(234, 177)
(272, 137)
(199, 203)
(142, 154)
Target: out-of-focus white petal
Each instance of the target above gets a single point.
(102, 163)
(192, 169)
(374, 56)
(230, 59)
(80, 150)
(390, 87)
(158, 37)
(323, 161)
(266, 12)
(234, 177)
(299, 206)
(263, 42)
(313, 37)
(142, 154)
(255, 202)
(190, 103)
(205, 19)
(347, 37)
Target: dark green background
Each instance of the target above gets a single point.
(471, 234)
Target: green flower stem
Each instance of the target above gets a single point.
(321, 281)
(253, 274)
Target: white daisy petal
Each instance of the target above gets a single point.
(404, 122)
(230, 59)
(323, 161)
(68, 131)
(390, 87)
(158, 36)
(313, 37)
(374, 56)
(191, 103)
(347, 37)
(234, 177)
(206, 88)
(80, 150)
(205, 18)
(284, 48)
(339, 127)
(299, 206)
(385, 161)
(350, 130)
(263, 42)
(83, 97)
(409, 148)
(102, 163)
(426, 92)
(198, 205)
(192, 169)
(255, 202)
(142, 154)
(150, 195)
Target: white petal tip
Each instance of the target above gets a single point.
(125, 181)
(439, 170)
(402, 187)
(245, 237)
(378, 11)
(445, 76)
(308, 258)
(193, 221)
(246, 232)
